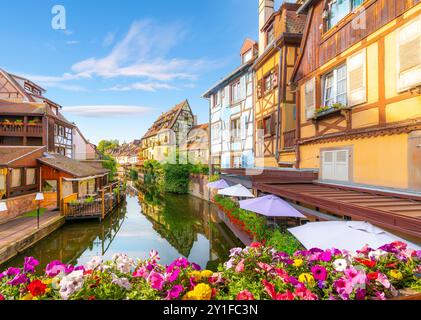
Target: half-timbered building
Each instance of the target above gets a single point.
(231, 114)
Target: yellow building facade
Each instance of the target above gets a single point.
(360, 101)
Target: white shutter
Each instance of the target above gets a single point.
(335, 165)
(243, 87)
(244, 121)
(357, 84)
(409, 55)
(328, 165)
(310, 98)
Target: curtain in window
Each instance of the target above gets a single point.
(16, 178)
(30, 177)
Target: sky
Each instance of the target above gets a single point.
(117, 65)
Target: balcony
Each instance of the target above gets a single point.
(10, 129)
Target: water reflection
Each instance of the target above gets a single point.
(173, 225)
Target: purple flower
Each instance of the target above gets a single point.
(56, 267)
(180, 262)
(196, 267)
(12, 272)
(294, 281)
(315, 250)
(2, 275)
(325, 256)
(156, 280)
(321, 284)
(175, 292)
(360, 295)
(29, 264)
(18, 280)
(319, 273)
(173, 276)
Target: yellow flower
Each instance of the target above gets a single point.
(396, 274)
(200, 292)
(196, 275)
(47, 282)
(307, 278)
(298, 263)
(206, 274)
(27, 297)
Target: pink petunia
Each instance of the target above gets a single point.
(240, 267)
(156, 280)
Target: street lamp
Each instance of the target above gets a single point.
(3, 206)
(38, 198)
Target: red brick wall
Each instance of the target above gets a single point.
(18, 206)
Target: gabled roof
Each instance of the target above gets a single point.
(166, 120)
(9, 154)
(76, 169)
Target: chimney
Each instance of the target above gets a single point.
(266, 9)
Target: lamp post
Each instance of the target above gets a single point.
(3, 206)
(38, 198)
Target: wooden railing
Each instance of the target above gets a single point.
(19, 129)
(34, 129)
(289, 139)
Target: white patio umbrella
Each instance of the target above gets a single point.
(344, 235)
(236, 191)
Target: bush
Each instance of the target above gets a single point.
(176, 178)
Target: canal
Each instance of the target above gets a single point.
(174, 225)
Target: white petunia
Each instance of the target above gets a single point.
(340, 265)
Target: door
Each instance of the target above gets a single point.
(415, 160)
(335, 165)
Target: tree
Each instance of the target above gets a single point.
(105, 146)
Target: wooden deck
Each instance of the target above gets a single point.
(394, 212)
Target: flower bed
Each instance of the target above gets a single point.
(256, 272)
(255, 226)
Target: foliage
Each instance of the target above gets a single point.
(176, 178)
(104, 146)
(214, 178)
(111, 164)
(89, 200)
(256, 272)
(256, 226)
(199, 168)
(133, 174)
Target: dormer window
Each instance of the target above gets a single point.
(339, 9)
(270, 35)
(247, 56)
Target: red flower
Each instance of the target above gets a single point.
(214, 292)
(91, 298)
(87, 272)
(372, 276)
(245, 295)
(391, 265)
(368, 263)
(37, 288)
(255, 245)
(2, 298)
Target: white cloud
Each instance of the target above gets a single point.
(72, 42)
(148, 86)
(105, 111)
(109, 39)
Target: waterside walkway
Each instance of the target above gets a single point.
(21, 233)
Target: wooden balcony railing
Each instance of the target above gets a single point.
(20, 129)
(289, 139)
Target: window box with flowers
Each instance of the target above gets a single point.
(325, 111)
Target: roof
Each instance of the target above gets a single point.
(77, 169)
(234, 74)
(166, 120)
(11, 154)
(127, 149)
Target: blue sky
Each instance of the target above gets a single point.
(120, 64)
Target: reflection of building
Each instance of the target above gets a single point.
(196, 148)
(163, 139)
(231, 114)
(27, 118)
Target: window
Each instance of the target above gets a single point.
(248, 56)
(310, 98)
(335, 87)
(357, 87)
(217, 99)
(270, 35)
(216, 131)
(16, 178)
(268, 83)
(338, 9)
(30, 176)
(267, 125)
(409, 56)
(236, 92)
(235, 128)
(335, 165)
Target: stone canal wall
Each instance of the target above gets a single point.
(18, 206)
(198, 187)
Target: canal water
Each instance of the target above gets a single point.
(174, 225)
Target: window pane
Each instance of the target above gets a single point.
(16, 178)
(30, 177)
(338, 10)
(356, 3)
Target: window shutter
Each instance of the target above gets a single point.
(259, 89)
(310, 98)
(409, 55)
(243, 126)
(243, 87)
(273, 124)
(275, 78)
(357, 84)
